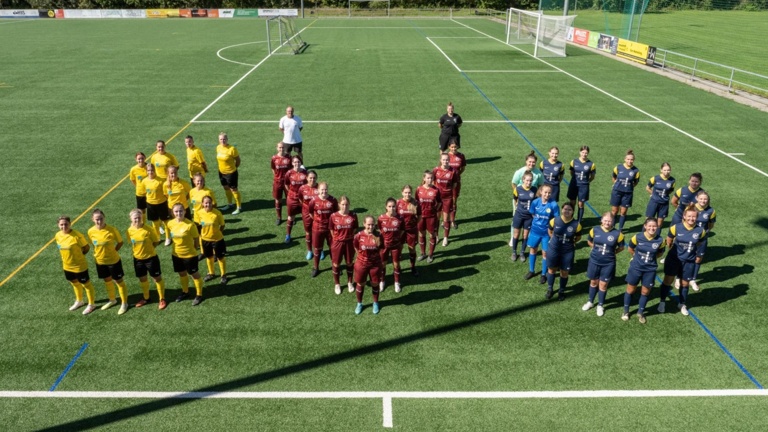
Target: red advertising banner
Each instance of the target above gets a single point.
(580, 36)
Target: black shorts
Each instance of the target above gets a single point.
(219, 248)
(188, 265)
(292, 147)
(158, 212)
(114, 271)
(149, 265)
(81, 277)
(228, 180)
(141, 202)
(445, 140)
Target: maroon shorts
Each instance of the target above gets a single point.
(411, 237)
(447, 204)
(457, 187)
(306, 218)
(320, 239)
(278, 190)
(342, 249)
(428, 224)
(395, 252)
(364, 271)
(294, 207)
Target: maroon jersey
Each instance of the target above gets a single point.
(391, 229)
(410, 218)
(307, 193)
(294, 180)
(445, 180)
(368, 249)
(321, 210)
(429, 200)
(280, 166)
(458, 162)
(343, 227)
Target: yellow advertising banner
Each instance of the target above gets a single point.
(632, 51)
(162, 13)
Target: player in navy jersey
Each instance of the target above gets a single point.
(606, 242)
(524, 195)
(449, 124)
(367, 244)
(564, 232)
(685, 196)
(552, 170)
(660, 187)
(706, 219)
(582, 173)
(625, 178)
(646, 248)
(543, 210)
(517, 179)
(683, 242)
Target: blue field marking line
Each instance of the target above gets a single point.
(69, 366)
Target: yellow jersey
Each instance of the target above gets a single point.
(143, 242)
(178, 193)
(196, 200)
(104, 243)
(162, 162)
(225, 156)
(71, 248)
(154, 190)
(136, 175)
(184, 235)
(195, 161)
(212, 223)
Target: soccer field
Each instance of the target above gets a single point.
(469, 344)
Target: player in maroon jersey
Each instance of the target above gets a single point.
(280, 164)
(343, 225)
(408, 208)
(308, 192)
(321, 208)
(391, 226)
(294, 180)
(367, 244)
(429, 199)
(445, 180)
(458, 162)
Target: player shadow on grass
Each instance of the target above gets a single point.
(246, 240)
(486, 217)
(716, 253)
(268, 269)
(472, 161)
(331, 165)
(464, 254)
(716, 295)
(415, 297)
(725, 273)
(493, 231)
(260, 248)
(257, 204)
(239, 286)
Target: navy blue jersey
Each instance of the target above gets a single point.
(646, 251)
(686, 240)
(542, 214)
(685, 196)
(552, 172)
(564, 234)
(626, 178)
(705, 217)
(582, 172)
(661, 188)
(605, 244)
(524, 199)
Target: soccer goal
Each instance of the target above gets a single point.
(547, 33)
(282, 37)
(368, 8)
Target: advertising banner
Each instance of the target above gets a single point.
(162, 13)
(246, 13)
(581, 37)
(226, 13)
(651, 60)
(196, 13)
(278, 12)
(607, 43)
(19, 13)
(634, 51)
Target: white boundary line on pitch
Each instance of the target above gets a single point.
(387, 28)
(218, 53)
(511, 71)
(671, 126)
(430, 121)
(446, 55)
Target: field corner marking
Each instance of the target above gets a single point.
(387, 411)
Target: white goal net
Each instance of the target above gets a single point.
(547, 33)
(282, 37)
(368, 8)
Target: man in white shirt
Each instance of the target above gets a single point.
(291, 126)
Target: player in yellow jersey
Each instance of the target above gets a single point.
(157, 202)
(196, 195)
(177, 191)
(73, 246)
(161, 160)
(138, 173)
(195, 159)
(229, 161)
(107, 241)
(185, 240)
(145, 260)
(212, 239)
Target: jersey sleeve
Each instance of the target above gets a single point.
(116, 233)
(81, 240)
(651, 182)
(615, 173)
(578, 231)
(633, 241)
(591, 235)
(672, 232)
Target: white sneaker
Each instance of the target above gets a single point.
(162, 230)
(694, 285)
(350, 287)
(662, 307)
(683, 309)
(398, 288)
(625, 316)
(511, 243)
(445, 241)
(587, 306)
(88, 309)
(123, 309)
(382, 285)
(677, 283)
(237, 211)
(109, 304)
(168, 241)
(337, 289)
(76, 305)
(600, 310)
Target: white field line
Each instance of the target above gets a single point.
(444, 54)
(429, 121)
(458, 37)
(511, 71)
(736, 154)
(218, 53)
(386, 412)
(386, 28)
(671, 126)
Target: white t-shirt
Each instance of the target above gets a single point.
(291, 129)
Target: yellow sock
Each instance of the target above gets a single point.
(144, 216)
(111, 290)
(184, 284)
(78, 290)
(198, 286)
(228, 193)
(122, 289)
(223, 266)
(237, 198)
(165, 227)
(90, 292)
(156, 228)
(209, 261)
(160, 289)
(145, 288)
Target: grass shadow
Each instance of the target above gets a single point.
(473, 161)
(418, 297)
(331, 165)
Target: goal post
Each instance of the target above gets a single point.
(547, 33)
(282, 37)
(368, 8)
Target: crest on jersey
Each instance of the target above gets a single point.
(586, 167)
(327, 204)
(549, 210)
(655, 245)
(669, 184)
(610, 238)
(695, 236)
(430, 193)
(348, 220)
(705, 216)
(569, 229)
(530, 195)
(395, 223)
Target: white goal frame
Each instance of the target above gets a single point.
(547, 33)
(349, 5)
(288, 41)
